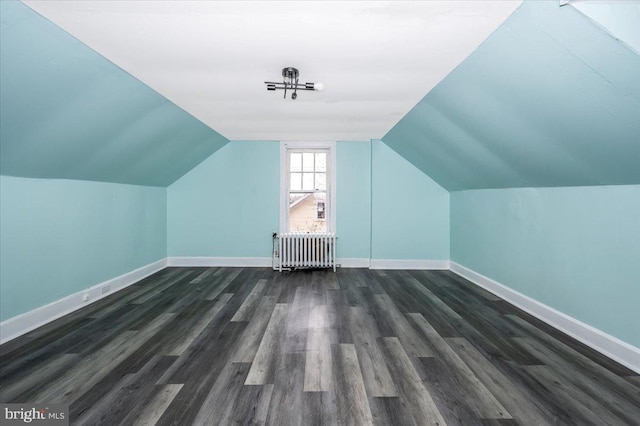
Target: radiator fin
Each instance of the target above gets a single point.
(301, 250)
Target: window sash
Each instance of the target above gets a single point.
(318, 164)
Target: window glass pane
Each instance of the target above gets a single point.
(309, 209)
(321, 162)
(307, 182)
(307, 212)
(296, 162)
(307, 161)
(295, 197)
(296, 181)
(321, 205)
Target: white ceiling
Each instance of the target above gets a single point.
(376, 59)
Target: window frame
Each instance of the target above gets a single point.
(330, 203)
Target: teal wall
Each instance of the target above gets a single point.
(68, 112)
(549, 99)
(410, 212)
(228, 206)
(620, 18)
(60, 237)
(574, 249)
(353, 199)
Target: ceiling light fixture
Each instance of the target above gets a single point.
(290, 82)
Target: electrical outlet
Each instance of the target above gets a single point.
(85, 297)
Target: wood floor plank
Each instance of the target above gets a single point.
(23, 387)
(409, 383)
(160, 288)
(186, 339)
(289, 284)
(491, 325)
(217, 407)
(156, 408)
(377, 379)
(390, 411)
(318, 293)
(580, 406)
(365, 298)
(592, 388)
(208, 352)
(372, 278)
(353, 404)
(200, 368)
(403, 330)
(139, 290)
(523, 406)
(252, 405)
(49, 333)
(499, 422)
(329, 282)
(403, 295)
(452, 277)
(270, 351)
(249, 305)
(187, 316)
(211, 349)
(70, 386)
(634, 380)
(296, 326)
(317, 369)
(584, 365)
(254, 346)
(162, 343)
(222, 283)
(577, 346)
(250, 342)
(338, 315)
(112, 407)
(447, 391)
(209, 272)
(319, 408)
(86, 338)
(444, 319)
(475, 394)
(348, 285)
(478, 334)
(285, 407)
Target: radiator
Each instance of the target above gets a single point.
(302, 250)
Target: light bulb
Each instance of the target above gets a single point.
(318, 86)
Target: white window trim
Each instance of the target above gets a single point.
(284, 181)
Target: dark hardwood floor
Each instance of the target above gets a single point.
(253, 346)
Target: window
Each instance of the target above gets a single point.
(321, 212)
(306, 187)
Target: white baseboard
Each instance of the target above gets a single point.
(614, 348)
(24, 323)
(610, 346)
(348, 262)
(249, 262)
(220, 261)
(353, 262)
(409, 264)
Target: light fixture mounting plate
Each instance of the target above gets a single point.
(290, 72)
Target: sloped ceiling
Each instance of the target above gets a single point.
(377, 59)
(550, 99)
(620, 18)
(67, 112)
